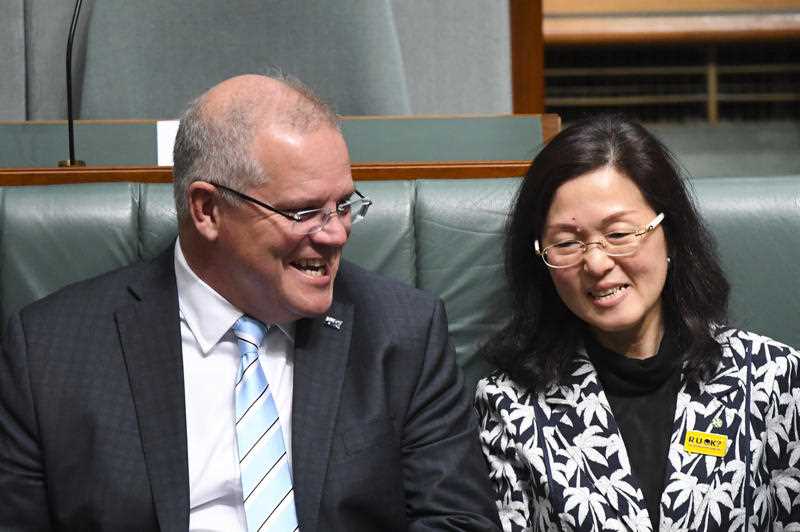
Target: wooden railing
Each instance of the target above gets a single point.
(163, 174)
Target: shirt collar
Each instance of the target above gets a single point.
(208, 314)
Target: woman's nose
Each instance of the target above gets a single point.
(596, 261)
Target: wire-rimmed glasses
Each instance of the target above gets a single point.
(310, 221)
(618, 243)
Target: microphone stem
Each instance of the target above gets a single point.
(70, 121)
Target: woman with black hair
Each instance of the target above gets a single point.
(622, 400)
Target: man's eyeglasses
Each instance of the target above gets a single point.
(619, 243)
(310, 221)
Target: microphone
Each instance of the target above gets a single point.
(70, 122)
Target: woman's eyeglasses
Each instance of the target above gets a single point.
(619, 243)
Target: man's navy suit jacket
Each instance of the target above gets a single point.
(93, 428)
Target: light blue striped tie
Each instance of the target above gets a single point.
(266, 474)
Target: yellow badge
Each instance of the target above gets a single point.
(706, 443)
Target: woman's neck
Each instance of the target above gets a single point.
(641, 343)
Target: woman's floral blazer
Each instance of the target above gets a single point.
(558, 462)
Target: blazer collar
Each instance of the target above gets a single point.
(715, 406)
(577, 413)
(322, 347)
(149, 330)
(581, 434)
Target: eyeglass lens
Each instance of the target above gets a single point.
(349, 213)
(570, 253)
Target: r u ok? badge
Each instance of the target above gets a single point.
(706, 443)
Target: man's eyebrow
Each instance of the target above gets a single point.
(347, 195)
(310, 203)
(298, 204)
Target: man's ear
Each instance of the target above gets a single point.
(204, 209)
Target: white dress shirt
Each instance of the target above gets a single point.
(210, 363)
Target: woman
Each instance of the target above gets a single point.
(620, 398)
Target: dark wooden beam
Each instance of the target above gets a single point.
(667, 28)
(527, 56)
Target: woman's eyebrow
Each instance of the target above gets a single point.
(563, 226)
(614, 216)
(575, 228)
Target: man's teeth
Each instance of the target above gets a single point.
(313, 267)
(608, 293)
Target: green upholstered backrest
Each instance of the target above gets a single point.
(54, 235)
(757, 225)
(460, 227)
(444, 236)
(384, 241)
(157, 222)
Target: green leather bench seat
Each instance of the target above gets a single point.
(445, 236)
(757, 225)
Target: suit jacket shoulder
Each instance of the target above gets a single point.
(356, 284)
(403, 452)
(104, 293)
(92, 412)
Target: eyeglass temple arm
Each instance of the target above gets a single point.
(361, 196)
(657, 220)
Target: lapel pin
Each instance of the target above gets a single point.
(717, 423)
(709, 443)
(333, 322)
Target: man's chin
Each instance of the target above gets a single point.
(312, 308)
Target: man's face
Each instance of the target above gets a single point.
(276, 274)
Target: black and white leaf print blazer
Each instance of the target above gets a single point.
(558, 461)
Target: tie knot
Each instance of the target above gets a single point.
(249, 330)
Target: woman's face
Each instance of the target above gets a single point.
(619, 298)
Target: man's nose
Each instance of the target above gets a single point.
(335, 231)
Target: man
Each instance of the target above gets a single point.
(139, 400)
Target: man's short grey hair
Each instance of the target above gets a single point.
(217, 147)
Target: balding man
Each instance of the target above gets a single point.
(248, 378)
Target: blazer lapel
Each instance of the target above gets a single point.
(149, 330)
(700, 486)
(591, 476)
(322, 347)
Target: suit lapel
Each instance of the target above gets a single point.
(715, 407)
(322, 347)
(149, 330)
(591, 476)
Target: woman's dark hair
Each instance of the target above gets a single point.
(537, 346)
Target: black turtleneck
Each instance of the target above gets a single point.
(642, 394)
